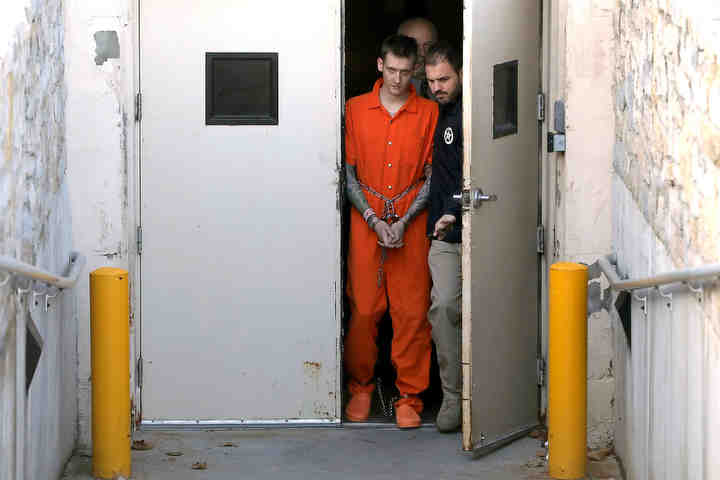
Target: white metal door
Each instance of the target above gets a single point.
(240, 225)
(500, 263)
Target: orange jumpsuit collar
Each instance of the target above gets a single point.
(410, 105)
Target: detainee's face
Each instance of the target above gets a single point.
(444, 82)
(396, 72)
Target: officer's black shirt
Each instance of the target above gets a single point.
(446, 179)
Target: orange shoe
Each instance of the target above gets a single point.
(406, 416)
(358, 408)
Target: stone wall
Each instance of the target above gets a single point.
(667, 148)
(666, 215)
(35, 228)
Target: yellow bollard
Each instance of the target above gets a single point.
(110, 366)
(567, 371)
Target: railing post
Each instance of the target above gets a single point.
(567, 371)
(110, 367)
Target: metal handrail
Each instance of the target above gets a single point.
(684, 275)
(14, 267)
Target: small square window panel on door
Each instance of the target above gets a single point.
(241, 88)
(505, 99)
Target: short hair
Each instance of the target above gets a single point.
(400, 46)
(443, 51)
(416, 22)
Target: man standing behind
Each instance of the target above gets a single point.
(444, 76)
(388, 142)
(425, 34)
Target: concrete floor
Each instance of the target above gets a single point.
(319, 454)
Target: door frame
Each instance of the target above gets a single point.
(134, 238)
(543, 215)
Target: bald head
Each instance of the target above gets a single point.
(424, 33)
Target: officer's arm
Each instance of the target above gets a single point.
(357, 197)
(451, 205)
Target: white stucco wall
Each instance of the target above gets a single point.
(668, 375)
(100, 144)
(35, 228)
(579, 61)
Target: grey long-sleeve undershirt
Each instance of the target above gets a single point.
(359, 201)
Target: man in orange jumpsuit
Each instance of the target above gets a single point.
(388, 141)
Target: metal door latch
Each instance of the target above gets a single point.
(555, 142)
(473, 198)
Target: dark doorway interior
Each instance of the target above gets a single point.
(367, 23)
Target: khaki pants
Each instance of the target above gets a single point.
(445, 311)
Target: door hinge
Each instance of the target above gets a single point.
(540, 107)
(138, 107)
(133, 415)
(540, 372)
(139, 371)
(138, 239)
(540, 241)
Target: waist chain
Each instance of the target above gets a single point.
(389, 216)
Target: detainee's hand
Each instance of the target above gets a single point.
(398, 231)
(384, 234)
(386, 237)
(443, 226)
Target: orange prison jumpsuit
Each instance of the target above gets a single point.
(389, 154)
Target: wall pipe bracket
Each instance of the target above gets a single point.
(23, 291)
(696, 290)
(668, 295)
(48, 297)
(643, 307)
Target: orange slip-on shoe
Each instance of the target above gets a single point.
(406, 417)
(358, 408)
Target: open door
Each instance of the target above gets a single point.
(500, 282)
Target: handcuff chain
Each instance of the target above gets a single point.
(389, 216)
(387, 408)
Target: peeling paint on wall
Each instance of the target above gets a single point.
(100, 138)
(581, 190)
(107, 46)
(8, 133)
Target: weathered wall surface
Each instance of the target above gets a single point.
(100, 144)
(667, 372)
(666, 215)
(580, 64)
(668, 114)
(35, 228)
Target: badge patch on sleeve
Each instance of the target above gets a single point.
(448, 135)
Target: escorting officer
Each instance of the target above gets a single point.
(443, 70)
(425, 34)
(388, 143)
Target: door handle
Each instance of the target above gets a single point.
(473, 198)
